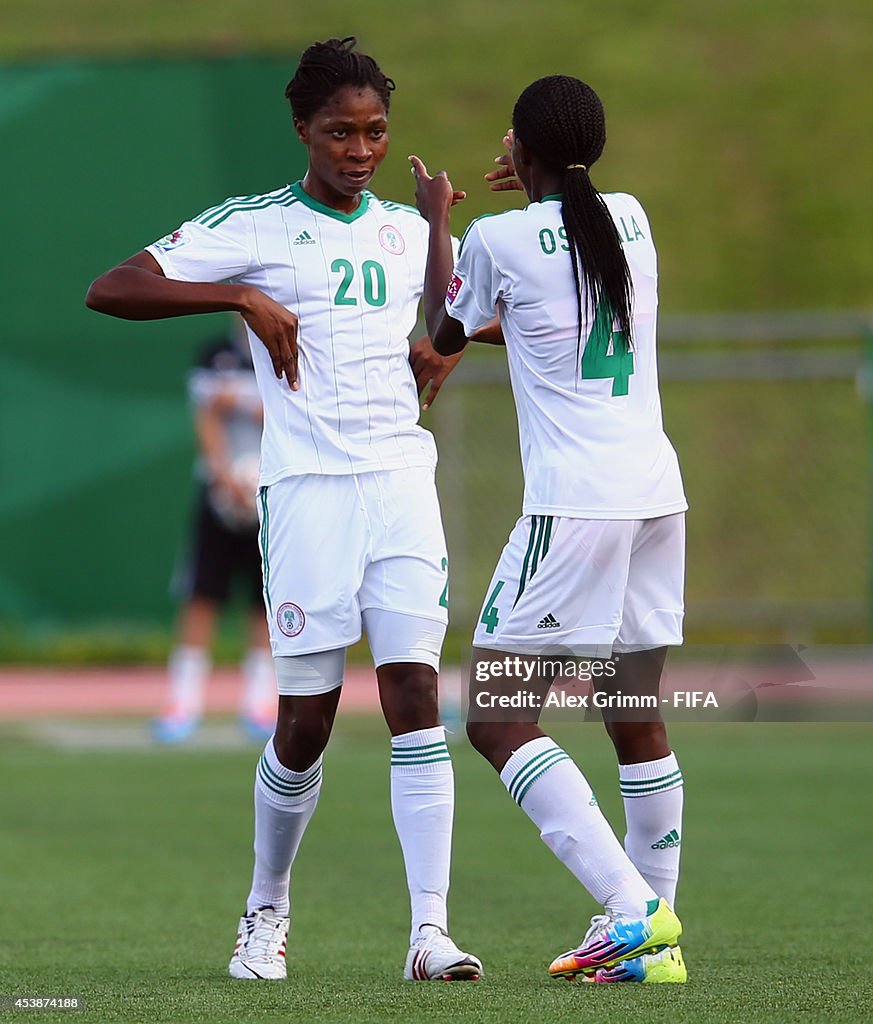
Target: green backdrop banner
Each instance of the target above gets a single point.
(96, 446)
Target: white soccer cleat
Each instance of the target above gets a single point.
(260, 946)
(434, 957)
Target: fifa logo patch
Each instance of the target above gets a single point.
(391, 240)
(455, 286)
(290, 619)
(171, 241)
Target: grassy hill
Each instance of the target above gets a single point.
(739, 125)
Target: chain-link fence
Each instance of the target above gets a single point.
(769, 417)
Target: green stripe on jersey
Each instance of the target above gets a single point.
(216, 214)
(250, 208)
(398, 206)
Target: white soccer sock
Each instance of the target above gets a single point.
(188, 669)
(423, 805)
(555, 795)
(259, 681)
(284, 803)
(653, 795)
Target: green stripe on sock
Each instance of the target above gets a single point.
(438, 759)
(289, 786)
(557, 760)
(542, 760)
(416, 750)
(650, 782)
(286, 791)
(435, 756)
(520, 776)
(630, 793)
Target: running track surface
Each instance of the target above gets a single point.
(116, 692)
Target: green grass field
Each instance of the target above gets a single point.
(124, 874)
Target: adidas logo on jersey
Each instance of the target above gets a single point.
(549, 622)
(304, 238)
(670, 840)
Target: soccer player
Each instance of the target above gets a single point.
(595, 565)
(228, 417)
(350, 524)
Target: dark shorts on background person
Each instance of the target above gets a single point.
(216, 556)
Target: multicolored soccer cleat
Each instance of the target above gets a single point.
(611, 942)
(666, 965)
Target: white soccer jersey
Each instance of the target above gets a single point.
(354, 280)
(592, 439)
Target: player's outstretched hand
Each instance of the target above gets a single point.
(504, 179)
(276, 326)
(434, 196)
(429, 367)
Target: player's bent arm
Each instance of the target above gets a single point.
(138, 290)
(490, 334)
(449, 336)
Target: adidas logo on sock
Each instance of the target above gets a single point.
(670, 839)
(304, 238)
(549, 622)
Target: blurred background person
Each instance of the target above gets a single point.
(223, 546)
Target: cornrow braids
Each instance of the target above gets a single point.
(327, 67)
(561, 122)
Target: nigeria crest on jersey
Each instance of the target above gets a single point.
(391, 240)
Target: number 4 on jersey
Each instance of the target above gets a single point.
(607, 354)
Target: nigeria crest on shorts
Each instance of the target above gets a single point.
(290, 619)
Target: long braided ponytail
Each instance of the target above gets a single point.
(561, 122)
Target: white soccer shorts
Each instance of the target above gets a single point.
(586, 586)
(335, 547)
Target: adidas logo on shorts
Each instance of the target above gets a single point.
(670, 839)
(549, 622)
(304, 238)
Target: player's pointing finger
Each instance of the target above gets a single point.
(418, 168)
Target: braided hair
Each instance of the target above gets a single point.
(561, 121)
(327, 67)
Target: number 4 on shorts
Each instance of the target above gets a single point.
(598, 363)
(489, 613)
